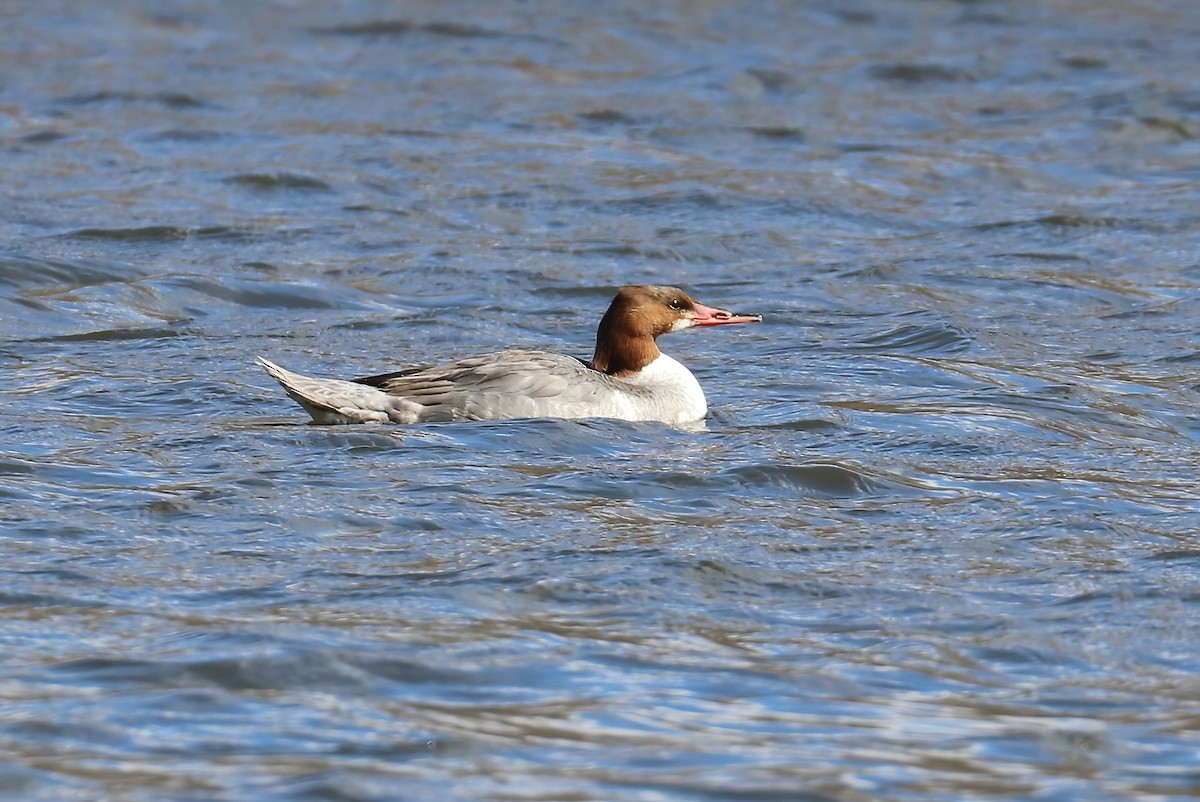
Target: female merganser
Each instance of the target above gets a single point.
(627, 379)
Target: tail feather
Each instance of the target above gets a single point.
(334, 400)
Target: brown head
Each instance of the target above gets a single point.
(638, 315)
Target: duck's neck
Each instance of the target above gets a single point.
(621, 354)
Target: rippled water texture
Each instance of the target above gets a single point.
(939, 541)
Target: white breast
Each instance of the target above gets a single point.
(669, 393)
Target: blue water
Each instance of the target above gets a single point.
(939, 540)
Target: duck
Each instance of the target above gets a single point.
(628, 378)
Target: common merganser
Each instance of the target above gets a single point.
(628, 378)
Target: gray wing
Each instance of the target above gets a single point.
(508, 384)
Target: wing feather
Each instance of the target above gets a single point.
(505, 382)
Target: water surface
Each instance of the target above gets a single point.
(939, 540)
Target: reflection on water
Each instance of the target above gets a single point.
(936, 541)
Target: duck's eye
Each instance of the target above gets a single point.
(677, 304)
